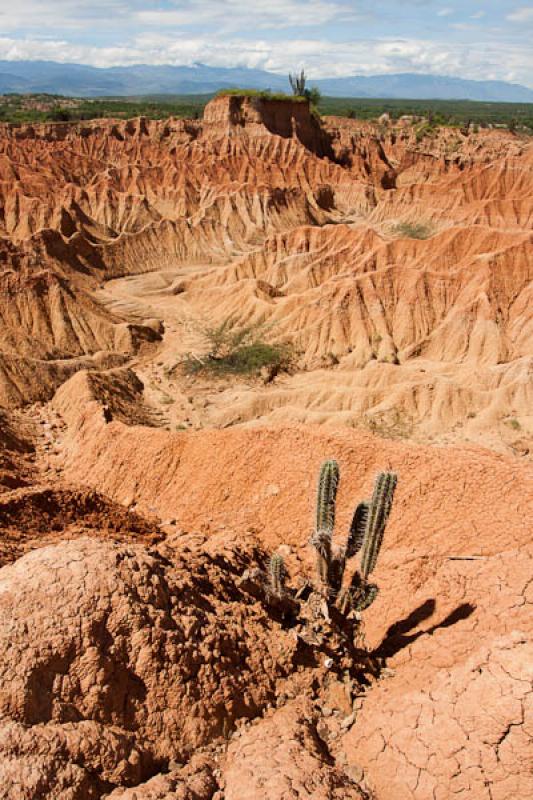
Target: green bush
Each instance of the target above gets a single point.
(239, 351)
(413, 230)
(60, 115)
(261, 94)
(426, 129)
(513, 423)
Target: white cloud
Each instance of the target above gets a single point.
(226, 14)
(524, 14)
(233, 14)
(61, 14)
(261, 33)
(321, 58)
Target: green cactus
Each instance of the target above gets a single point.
(358, 596)
(357, 529)
(365, 535)
(328, 482)
(321, 541)
(366, 597)
(378, 514)
(325, 518)
(277, 572)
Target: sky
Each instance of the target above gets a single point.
(476, 39)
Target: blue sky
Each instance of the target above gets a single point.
(479, 39)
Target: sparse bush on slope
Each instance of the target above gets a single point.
(238, 351)
(413, 230)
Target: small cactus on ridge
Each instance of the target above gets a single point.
(365, 536)
(277, 572)
(325, 518)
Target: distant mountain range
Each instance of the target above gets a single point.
(79, 80)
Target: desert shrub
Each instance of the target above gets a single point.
(513, 423)
(60, 115)
(239, 351)
(261, 94)
(391, 425)
(314, 96)
(413, 230)
(428, 128)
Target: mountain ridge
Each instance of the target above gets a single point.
(87, 81)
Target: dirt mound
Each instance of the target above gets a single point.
(136, 659)
(36, 507)
(263, 479)
(286, 118)
(33, 517)
(15, 455)
(174, 655)
(285, 756)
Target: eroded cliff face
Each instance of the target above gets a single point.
(260, 214)
(134, 661)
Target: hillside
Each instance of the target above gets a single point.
(150, 646)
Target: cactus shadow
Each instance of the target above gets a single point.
(398, 636)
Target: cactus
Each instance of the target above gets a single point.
(321, 541)
(277, 572)
(325, 518)
(336, 569)
(358, 596)
(357, 529)
(298, 83)
(328, 482)
(378, 514)
(367, 596)
(365, 535)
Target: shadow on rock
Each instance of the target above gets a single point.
(398, 637)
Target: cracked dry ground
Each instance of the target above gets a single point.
(134, 661)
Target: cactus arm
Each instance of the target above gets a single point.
(336, 570)
(328, 482)
(321, 539)
(356, 534)
(367, 597)
(379, 511)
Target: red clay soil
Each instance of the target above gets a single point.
(142, 652)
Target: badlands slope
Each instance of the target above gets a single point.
(134, 661)
(110, 226)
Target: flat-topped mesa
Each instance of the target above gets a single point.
(286, 117)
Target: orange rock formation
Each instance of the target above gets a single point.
(133, 660)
